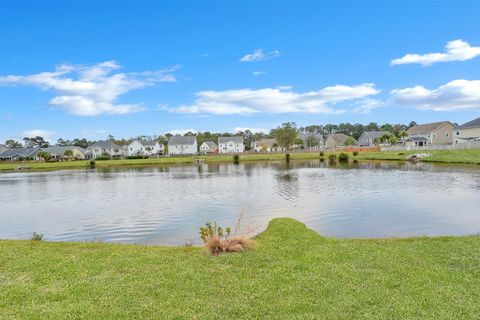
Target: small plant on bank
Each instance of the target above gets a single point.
(343, 157)
(321, 154)
(36, 236)
(355, 153)
(332, 158)
(287, 157)
(91, 164)
(401, 153)
(236, 159)
(218, 240)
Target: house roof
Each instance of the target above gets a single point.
(418, 139)
(20, 152)
(57, 150)
(4, 146)
(210, 144)
(339, 137)
(305, 135)
(235, 139)
(105, 145)
(182, 140)
(471, 124)
(146, 143)
(374, 134)
(425, 128)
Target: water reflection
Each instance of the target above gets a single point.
(167, 204)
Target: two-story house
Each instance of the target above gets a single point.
(230, 145)
(144, 148)
(178, 145)
(436, 133)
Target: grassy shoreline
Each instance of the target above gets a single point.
(440, 156)
(293, 273)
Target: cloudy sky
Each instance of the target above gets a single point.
(72, 69)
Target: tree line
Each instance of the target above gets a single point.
(286, 135)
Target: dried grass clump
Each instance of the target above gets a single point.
(218, 241)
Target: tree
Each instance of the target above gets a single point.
(403, 135)
(350, 141)
(62, 143)
(35, 142)
(68, 154)
(12, 144)
(392, 140)
(44, 155)
(312, 141)
(286, 134)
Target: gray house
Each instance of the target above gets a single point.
(367, 139)
(3, 148)
(59, 152)
(20, 154)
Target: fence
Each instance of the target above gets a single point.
(459, 146)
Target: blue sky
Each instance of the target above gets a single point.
(89, 69)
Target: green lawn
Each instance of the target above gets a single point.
(456, 156)
(293, 274)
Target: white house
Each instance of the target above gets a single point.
(144, 148)
(230, 145)
(208, 147)
(178, 145)
(100, 148)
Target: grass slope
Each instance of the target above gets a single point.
(445, 156)
(293, 274)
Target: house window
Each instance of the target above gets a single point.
(446, 134)
(434, 134)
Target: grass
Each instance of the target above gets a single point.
(444, 156)
(293, 274)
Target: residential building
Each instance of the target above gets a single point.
(208, 147)
(436, 133)
(178, 145)
(266, 145)
(336, 140)
(102, 148)
(144, 148)
(367, 139)
(20, 154)
(231, 145)
(312, 140)
(3, 148)
(469, 131)
(59, 152)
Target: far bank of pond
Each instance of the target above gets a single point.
(439, 156)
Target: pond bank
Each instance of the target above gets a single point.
(440, 156)
(293, 273)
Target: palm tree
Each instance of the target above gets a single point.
(68, 154)
(403, 135)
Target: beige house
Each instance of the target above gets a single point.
(469, 131)
(436, 133)
(336, 140)
(267, 145)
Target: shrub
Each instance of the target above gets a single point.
(355, 153)
(332, 158)
(343, 157)
(287, 157)
(236, 159)
(91, 164)
(321, 154)
(102, 158)
(401, 153)
(37, 236)
(137, 157)
(218, 241)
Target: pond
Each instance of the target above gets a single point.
(167, 204)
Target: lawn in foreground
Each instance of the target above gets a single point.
(293, 273)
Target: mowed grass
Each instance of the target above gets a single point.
(445, 156)
(293, 274)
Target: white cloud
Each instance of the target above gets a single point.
(258, 73)
(276, 100)
(91, 90)
(455, 95)
(253, 130)
(181, 131)
(259, 55)
(456, 50)
(46, 134)
(367, 105)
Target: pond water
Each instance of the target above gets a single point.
(167, 204)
